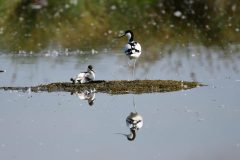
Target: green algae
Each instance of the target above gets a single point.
(113, 87)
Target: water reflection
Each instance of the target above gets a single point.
(88, 95)
(134, 121)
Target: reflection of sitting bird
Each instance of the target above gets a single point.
(134, 121)
(88, 95)
(84, 77)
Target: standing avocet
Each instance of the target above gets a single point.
(132, 49)
(84, 77)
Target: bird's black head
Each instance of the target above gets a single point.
(128, 31)
(132, 136)
(91, 103)
(129, 34)
(90, 67)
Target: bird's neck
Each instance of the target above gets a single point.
(89, 70)
(130, 39)
(132, 135)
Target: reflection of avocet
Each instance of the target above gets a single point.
(84, 77)
(88, 95)
(134, 121)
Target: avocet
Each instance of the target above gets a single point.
(84, 77)
(132, 49)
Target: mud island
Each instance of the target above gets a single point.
(113, 87)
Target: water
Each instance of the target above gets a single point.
(200, 123)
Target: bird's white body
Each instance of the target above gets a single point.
(134, 121)
(84, 77)
(132, 49)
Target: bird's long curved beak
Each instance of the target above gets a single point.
(117, 37)
(122, 134)
(125, 135)
(121, 36)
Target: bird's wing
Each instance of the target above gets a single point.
(81, 96)
(80, 75)
(90, 76)
(138, 47)
(128, 49)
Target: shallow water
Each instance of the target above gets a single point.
(200, 123)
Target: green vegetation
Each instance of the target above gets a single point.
(82, 24)
(114, 87)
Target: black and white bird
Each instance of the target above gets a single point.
(132, 49)
(84, 77)
(134, 121)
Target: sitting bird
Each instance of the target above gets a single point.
(84, 77)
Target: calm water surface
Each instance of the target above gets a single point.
(202, 123)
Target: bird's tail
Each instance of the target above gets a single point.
(73, 81)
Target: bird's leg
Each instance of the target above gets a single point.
(134, 104)
(133, 72)
(129, 65)
(129, 62)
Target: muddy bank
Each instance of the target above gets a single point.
(112, 87)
